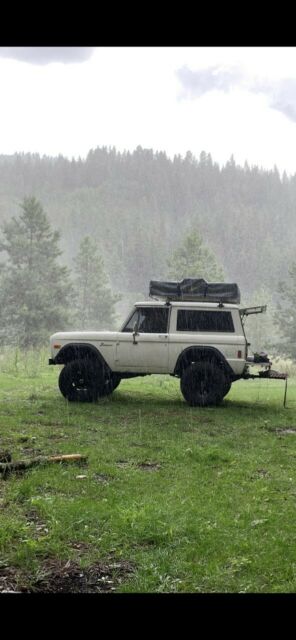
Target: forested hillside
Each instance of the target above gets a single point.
(139, 207)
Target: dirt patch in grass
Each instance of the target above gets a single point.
(287, 430)
(56, 576)
(122, 463)
(50, 424)
(57, 436)
(70, 578)
(260, 473)
(32, 451)
(144, 466)
(34, 519)
(102, 478)
(282, 430)
(149, 466)
(10, 580)
(138, 444)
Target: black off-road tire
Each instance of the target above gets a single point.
(115, 381)
(204, 384)
(84, 380)
(227, 387)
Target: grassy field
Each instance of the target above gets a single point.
(172, 499)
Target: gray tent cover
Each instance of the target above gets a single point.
(195, 289)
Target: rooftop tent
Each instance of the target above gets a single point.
(195, 289)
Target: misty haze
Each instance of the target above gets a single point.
(138, 208)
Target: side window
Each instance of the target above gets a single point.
(153, 319)
(199, 320)
(150, 320)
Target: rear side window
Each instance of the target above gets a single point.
(200, 320)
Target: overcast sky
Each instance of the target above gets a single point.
(225, 101)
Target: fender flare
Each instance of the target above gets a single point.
(207, 351)
(76, 350)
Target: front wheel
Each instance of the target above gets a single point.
(115, 381)
(204, 384)
(83, 381)
(227, 387)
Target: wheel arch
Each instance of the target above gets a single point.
(79, 351)
(198, 354)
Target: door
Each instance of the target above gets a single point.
(146, 352)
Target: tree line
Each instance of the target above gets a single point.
(139, 205)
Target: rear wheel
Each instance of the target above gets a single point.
(84, 381)
(204, 384)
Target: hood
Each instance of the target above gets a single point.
(83, 336)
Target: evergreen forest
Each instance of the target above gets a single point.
(139, 207)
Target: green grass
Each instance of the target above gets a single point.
(196, 500)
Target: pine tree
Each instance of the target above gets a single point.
(285, 317)
(35, 288)
(192, 259)
(94, 302)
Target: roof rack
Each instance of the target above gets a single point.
(195, 290)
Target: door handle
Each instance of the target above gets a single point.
(162, 335)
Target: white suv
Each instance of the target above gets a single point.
(202, 343)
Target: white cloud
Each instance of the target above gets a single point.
(281, 92)
(47, 55)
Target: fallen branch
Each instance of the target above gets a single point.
(20, 465)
